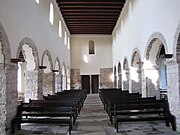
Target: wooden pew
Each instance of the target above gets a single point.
(126, 100)
(43, 115)
(144, 111)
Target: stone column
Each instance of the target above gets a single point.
(31, 85)
(75, 79)
(8, 96)
(58, 87)
(119, 81)
(136, 84)
(48, 83)
(126, 82)
(173, 72)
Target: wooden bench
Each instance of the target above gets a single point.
(54, 103)
(42, 115)
(144, 111)
(126, 101)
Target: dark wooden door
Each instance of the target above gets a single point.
(85, 82)
(95, 83)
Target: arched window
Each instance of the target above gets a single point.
(65, 38)
(51, 14)
(37, 1)
(60, 29)
(91, 47)
(68, 43)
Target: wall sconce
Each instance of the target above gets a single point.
(16, 60)
(42, 67)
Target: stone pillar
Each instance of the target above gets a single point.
(48, 83)
(126, 82)
(151, 81)
(8, 96)
(105, 80)
(136, 84)
(58, 87)
(173, 68)
(119, 81)
(75, 79)
(31, 85)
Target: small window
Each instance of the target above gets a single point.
(60, 29)
(65, 38)
(51, 14)
(68, 43)
(37, 1)
(91, 47)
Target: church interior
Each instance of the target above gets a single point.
(89, 67)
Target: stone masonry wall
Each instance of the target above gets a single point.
(75, 79)
(105, 80)
(48, 83)
(8, 96)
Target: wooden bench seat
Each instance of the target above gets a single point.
(144, 111)
(43, 115)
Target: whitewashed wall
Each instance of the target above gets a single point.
(139, 21)
(101, 59)
(26, 18)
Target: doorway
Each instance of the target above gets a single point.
(85, 82)
(90, 83)
(95, 83)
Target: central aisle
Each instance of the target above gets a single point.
(93, 120)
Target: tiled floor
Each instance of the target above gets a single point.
(94, 121)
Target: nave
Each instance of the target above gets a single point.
(93, 120)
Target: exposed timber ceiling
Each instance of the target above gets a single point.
(90, 16)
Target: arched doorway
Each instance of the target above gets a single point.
(119, 76)
(28, 79)
(64, 78)
(47, 76)
(125, 74)
(135, 69)
(154, 66)
(58, 73)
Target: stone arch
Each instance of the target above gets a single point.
(28, 79)
(58, 74)
(8, 85)
(47, 61)
(156, 48)
(125, 74)
(119, 76)
(135, 71)
(68, 78)
(173, 68)
(64, 77)
(29, 42)
(176, 45)
(5, 46)
(115, 77)
(48, 78)
(57, 65)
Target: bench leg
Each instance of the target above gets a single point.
(70, 127)
(173, 123)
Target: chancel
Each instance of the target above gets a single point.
(89, 67)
